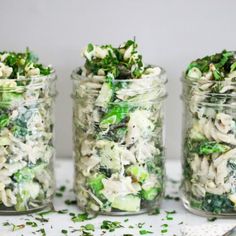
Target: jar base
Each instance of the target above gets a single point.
(6, 211)
(120, 213)
(116, 213)
(206, 214)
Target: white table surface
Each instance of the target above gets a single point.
(57, 222)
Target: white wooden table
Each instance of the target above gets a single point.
(155, 223)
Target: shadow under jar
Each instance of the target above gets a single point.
(209, 147)
(118, 144)
(26, 143)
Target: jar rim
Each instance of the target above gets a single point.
(13, 85)
(23, 78)
(190, 80)
(163, 75)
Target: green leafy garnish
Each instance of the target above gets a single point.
(42, 231)
(22, 64)
(89, 227)
(44, 213)
(64, 231)
(144, 232)
(207, 148)
(32, 224)
(123, 62)
(212, 219)
(64, 211)
(111, 225)
(219, 64)
(81, 217)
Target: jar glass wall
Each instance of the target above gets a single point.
(26, 143)
(209, 147)
(118, 143)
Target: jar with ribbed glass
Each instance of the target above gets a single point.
(27, 93)
(209, 135)
(118, 136)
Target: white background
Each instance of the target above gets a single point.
(170, 32)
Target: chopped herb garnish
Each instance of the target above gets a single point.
(155, 211)
(41, 219)
(163, 231)
(43, 213)
(110, 225)
(164, 225)
(42, 231)
(62, 188)
(169, 217)
(165, 228)
(171, 212)
(168, 197)
(212, 219)
(21, 65)
(64, 231)
(32, 224)
(58, 194)
(81, 217)
(6, 224)
(64, 211)
(89, 227)
(143, 232)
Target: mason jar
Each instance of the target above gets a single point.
(209, 146)
(118, 143)
(26, 143)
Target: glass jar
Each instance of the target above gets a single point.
(209, 147)
(118, 143)
(26, 143)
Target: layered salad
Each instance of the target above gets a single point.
(26, 132)
(118, 130)
(210, 134)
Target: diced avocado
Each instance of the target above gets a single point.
(232, 198)
(4, 141)
(149, 194)
(196, 135)
(138, 173)
(194, 73)
(115, 114)
(207, 148)
(127, 203)
(95, 183)
(7, 97)
(28, 173)
(32, 188)
(27, 191)
(24, 175)
(104, 96)
(110, 155)
(21, 202)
